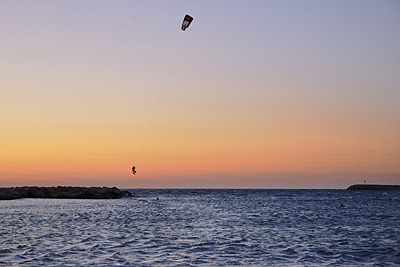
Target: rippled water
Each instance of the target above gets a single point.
(288, 228)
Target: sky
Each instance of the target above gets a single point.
(254, 94)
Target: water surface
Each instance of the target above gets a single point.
(205, 228)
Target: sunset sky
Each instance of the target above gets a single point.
(254, 94)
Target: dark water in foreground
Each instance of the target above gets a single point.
(288, 228)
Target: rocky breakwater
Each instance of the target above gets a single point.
(373, 187)
(62, 192)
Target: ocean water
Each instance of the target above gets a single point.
(205, 228)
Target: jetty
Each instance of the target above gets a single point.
(373, 187)
(62, 192)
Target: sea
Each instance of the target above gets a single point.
(205, 227)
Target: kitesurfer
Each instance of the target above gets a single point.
(133, 170)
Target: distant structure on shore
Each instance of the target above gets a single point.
(373, 187)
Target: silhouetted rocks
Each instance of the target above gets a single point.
(373, 187)
(62, 192)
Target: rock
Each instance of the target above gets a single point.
(66, 192)
(9, 193)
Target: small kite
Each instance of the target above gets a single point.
(186, 22)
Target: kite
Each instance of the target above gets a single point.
(186, 22)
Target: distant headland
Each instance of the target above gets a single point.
(373, 187)
(65, 192)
